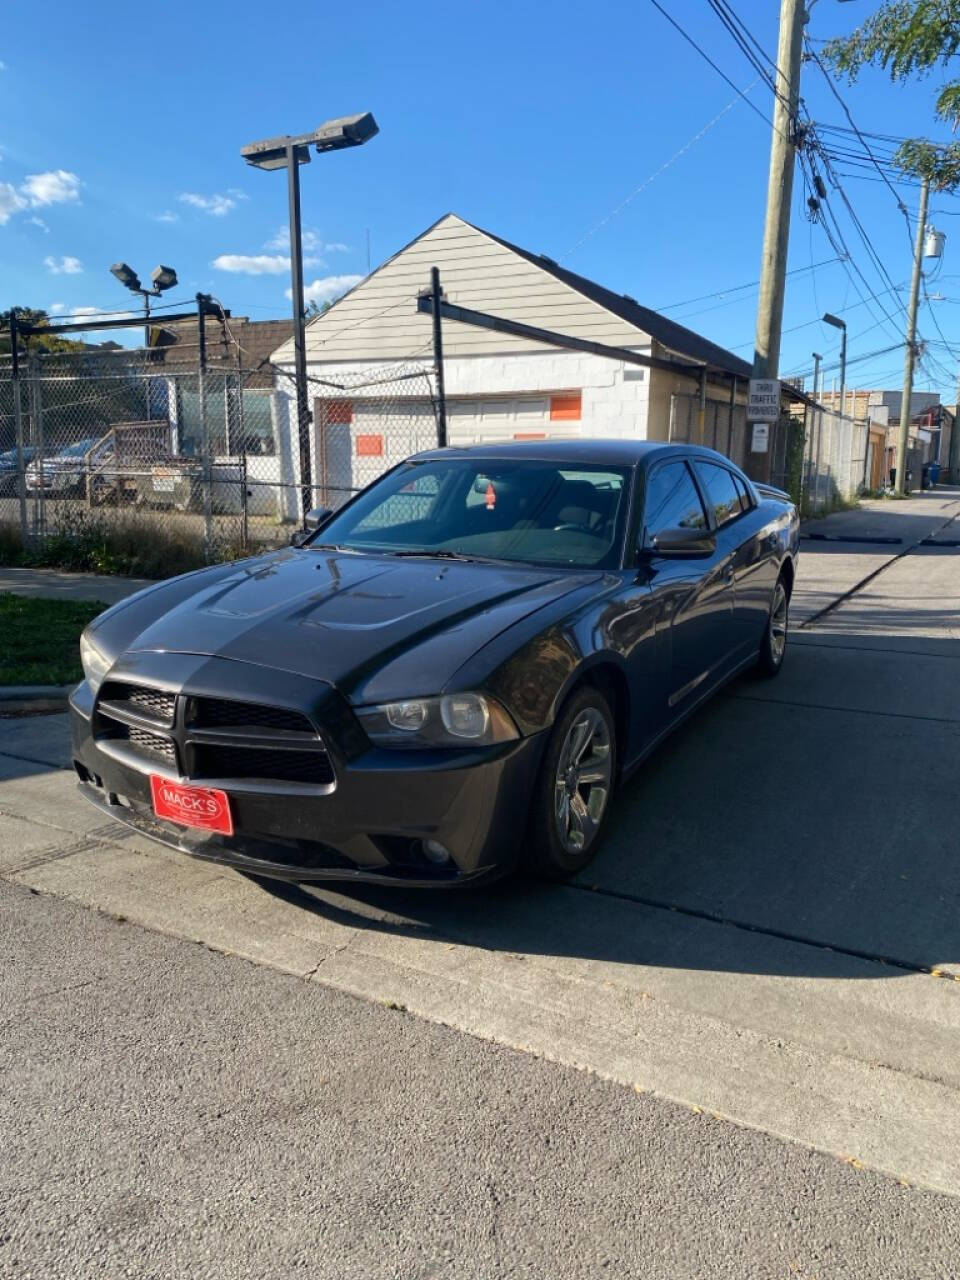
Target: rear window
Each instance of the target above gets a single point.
(721, 488)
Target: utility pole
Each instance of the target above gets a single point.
(766, 358)
(902, 442)
(817, 357)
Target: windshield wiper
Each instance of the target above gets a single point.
(443, 554)
(332, 546)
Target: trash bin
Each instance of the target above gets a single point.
(925, 476)
(934, 473)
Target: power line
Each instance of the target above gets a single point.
(706, 57)
(739, 288)
(739, 34)
(741, 93)
(812, 53)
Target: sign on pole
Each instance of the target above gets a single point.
(764, 401)
(761, 437)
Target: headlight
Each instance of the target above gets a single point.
(95, 663)
(454, 720)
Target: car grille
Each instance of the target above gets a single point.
(157, 704)
(214, 761)
(152, 745)
(214, 738)
(222, 713)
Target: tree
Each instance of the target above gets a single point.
(314, 308)
(42, 342)
(911, 38)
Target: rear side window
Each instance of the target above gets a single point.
(672, 500)
(721, 491)
(746, 503)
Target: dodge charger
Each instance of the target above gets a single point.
(447, 677)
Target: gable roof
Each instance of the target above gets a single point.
(482, 271)
(667, 332)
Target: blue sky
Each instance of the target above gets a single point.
(122, 127)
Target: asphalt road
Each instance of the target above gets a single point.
(169, 1112)
(770, 935)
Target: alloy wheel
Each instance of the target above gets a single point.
(582, 784)
(778, 624)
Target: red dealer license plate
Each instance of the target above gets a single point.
(201, 807)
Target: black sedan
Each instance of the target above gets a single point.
(449, 675)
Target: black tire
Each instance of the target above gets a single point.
(773, 647)
(553, 834)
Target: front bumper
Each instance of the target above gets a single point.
(368, 826)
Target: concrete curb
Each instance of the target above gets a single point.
(34, 697)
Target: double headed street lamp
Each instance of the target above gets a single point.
(163, 278)
(290, 153)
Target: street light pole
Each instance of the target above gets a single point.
(304, 416)
(289, 152)
(817, 357)
(837, 323)
(903, 439)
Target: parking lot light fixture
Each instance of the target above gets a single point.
(163, 278)
(290, 152)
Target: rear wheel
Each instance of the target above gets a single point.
(774, 646)
(572, 795)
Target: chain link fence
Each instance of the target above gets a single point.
(188, 465)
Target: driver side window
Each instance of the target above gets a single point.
(672, 501)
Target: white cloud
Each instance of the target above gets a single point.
(56, 187)
(327, 288)
(258, 264)
(11, 202)
(313, 242)
(168, 216)
(216, 205)
(55, 308)
(39, 222)
(65, 266)
(3, 66)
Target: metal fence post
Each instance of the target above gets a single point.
(437, 295)
(37, 434)
(205, 444)
(18, 423)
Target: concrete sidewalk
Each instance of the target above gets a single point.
(52, 584)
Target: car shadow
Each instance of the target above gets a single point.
(766, 836)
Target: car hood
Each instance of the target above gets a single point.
(377, 627)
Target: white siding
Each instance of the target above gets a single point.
(378, 322)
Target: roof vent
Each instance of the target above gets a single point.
(629, 299)
(549, 261)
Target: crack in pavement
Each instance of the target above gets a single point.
(853, 711)
(712, 917)
(839, 600)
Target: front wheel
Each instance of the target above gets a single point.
(572, 795)
(774, 645)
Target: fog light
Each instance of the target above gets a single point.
(435, 852)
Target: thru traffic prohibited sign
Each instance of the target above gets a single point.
(764, 401)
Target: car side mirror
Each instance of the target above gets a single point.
(314, 519)
(683, 542)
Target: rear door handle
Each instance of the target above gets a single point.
(728, 573)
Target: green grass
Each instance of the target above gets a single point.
(40, 639)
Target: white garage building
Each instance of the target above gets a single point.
(498, 387)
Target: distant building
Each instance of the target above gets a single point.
(241, 343)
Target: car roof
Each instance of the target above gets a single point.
(599, 451)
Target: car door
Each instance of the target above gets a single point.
(694, 593)
(732, 508)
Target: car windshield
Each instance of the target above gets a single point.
(531, 511)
